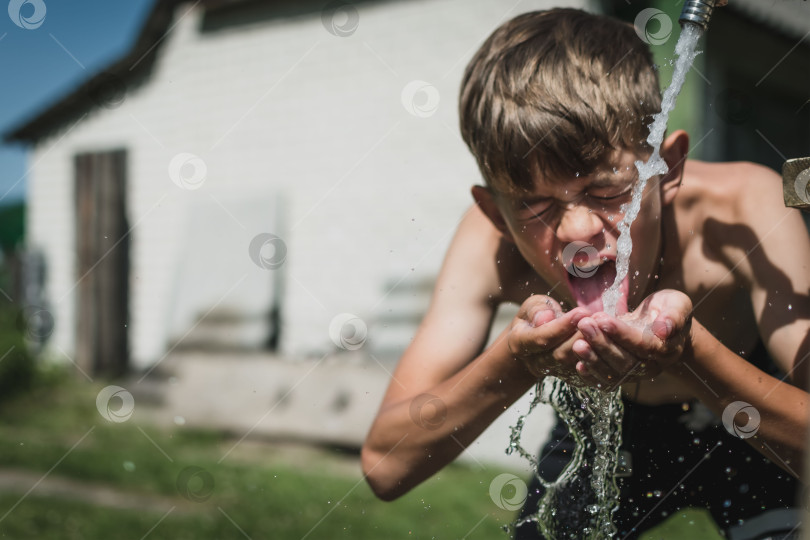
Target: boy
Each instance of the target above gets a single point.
(554, 107)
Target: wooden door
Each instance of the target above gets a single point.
(102, 254)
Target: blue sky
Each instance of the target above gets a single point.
(39, 65)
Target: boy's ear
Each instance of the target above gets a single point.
(674, 150)
(485, 200)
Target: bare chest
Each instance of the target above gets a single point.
(719, 301)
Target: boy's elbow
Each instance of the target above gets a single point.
(381, 478)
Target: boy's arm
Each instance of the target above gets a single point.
(721, 379)
(445, 391)
(768, 250)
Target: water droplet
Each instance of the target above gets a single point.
(790, 306)
(636, 273)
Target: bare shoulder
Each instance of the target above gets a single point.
(740, 212)
(729, 190)
(767, 248)
(749, 186)
(465, 296)
(741, 239)
(470, 266)
(732, 204)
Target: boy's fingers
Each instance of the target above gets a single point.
(539, 309)
(551, 333)
(587, 376)
(545, 339)
(608, 351)
(538, 304)
(593, 365)
(646, 342)
(541, 317)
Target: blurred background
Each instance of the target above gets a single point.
(220, 225)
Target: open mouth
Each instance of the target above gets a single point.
(587, 283)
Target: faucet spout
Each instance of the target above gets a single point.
(796, 183)
(697, 12)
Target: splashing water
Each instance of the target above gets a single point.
(580, 504)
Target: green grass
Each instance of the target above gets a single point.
(254, 498)
(262, 493)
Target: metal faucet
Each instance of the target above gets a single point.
(796, 183)
(697, 12)
(795, 172)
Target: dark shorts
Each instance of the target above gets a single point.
(681, 457)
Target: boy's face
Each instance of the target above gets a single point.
(567, 229)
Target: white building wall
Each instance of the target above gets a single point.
(371, 193)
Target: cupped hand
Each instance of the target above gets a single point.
(636, 345)
(542, 337)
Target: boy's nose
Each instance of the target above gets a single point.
(579, 223)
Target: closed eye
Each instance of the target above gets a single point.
(535, 213)
(612, 197)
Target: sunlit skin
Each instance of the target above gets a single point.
(733, 260)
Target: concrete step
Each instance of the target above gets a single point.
(226, 331)
(332, 400)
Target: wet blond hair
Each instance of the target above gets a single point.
(558, 90)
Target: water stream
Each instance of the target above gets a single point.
(580, 503)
